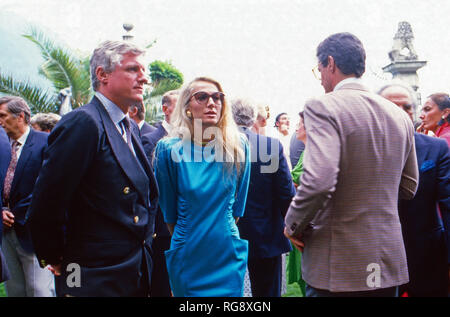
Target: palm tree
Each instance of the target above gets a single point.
(38, 99)
(61, 67)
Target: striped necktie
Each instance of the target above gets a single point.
(127, 131)
(10, 172)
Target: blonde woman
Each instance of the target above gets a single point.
(203, 170)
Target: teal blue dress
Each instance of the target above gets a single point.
(201, 197)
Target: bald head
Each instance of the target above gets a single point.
(400, 96)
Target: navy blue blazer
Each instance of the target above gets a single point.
(94, 205)
(149, 142)
(147, 128)
(269, 196)
(423, 229)
(5, 157)
(296, 147)
(25, 175)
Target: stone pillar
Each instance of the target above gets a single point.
(404, 60)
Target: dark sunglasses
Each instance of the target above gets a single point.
(203, 97)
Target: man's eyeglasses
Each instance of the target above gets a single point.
(316, 72)
(203, 97)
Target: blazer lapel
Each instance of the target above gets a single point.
(23, 159)
(127, 161)
(140, 153)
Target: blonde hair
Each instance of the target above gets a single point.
(229, 140)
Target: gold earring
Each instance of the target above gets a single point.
(189, 114)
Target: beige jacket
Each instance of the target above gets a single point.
(360, 157)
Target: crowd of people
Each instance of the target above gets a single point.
(100, 203)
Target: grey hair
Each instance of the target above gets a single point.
(244, 113)
(168, 94)
(17, 105)
(401, 85)
(108, 55)
(45, 121)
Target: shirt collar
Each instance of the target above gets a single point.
(347, 81)
(24, 136)
(140, 124)
(115, 113)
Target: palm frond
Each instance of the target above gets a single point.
(62, 68)
(38, 100)
(163, 86)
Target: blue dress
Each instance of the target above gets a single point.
(201, 197)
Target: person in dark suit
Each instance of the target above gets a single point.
(169, 100)
(93, 208)
(137, 113)
(5, 156)
(26, 148)
(424, 232)
(269, 195)
(296, 149)
(160, 280)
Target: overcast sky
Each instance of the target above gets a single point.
(261, 49)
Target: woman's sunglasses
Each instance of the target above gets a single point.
(203, 97)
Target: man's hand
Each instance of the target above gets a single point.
(7, 217)
(55, 269)
(296, 241)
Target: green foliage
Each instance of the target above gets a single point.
(38, 100)
(164, 77)
(62, 68)
(153, 108)
(160, 70)
(164, 86)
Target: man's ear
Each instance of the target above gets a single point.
(21, 116)
(132, 111)
(102, 76)
(331, 64)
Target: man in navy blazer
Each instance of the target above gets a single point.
(5, 156)
(149, 140)
(424, 232)
(25, 160)
(161, 242)
(269, 196)
(93, 208)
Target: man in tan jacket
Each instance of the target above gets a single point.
(359, 158)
